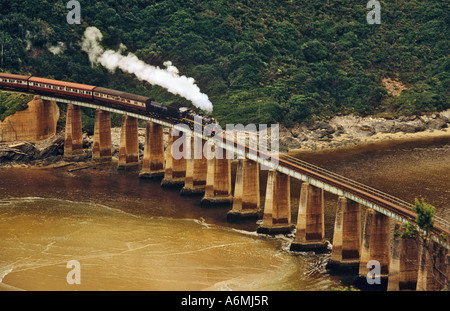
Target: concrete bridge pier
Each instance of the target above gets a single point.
(196, 169)
(153, 160)
(73, 144)
(102, 146)
(175, 169)
(129, 143)
(218, 181)
(434, 266)
(347, 236)
(404, 263)
(277, 206)
(310, 233)
(375, 251)
(246, 201)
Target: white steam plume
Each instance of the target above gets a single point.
(168, 78)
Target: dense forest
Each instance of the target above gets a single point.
(259, 61)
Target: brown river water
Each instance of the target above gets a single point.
(131, 234)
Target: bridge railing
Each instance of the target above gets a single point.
(442, 222)
(385, 196)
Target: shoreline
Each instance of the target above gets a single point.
(375, 141)
(333, 134)
(341, 143)
(350, 131)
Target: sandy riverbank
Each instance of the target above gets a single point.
(351, 131)
(349, 142)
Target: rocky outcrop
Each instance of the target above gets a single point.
(47, 151)
(349, 130)
(36, 123)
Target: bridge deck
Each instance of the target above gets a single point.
(295, 168)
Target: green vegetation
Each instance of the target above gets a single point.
(424, 219)
(259, 61)
(12, 102)
(425, 213)
(407, 230)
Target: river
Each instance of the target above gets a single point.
(131, 234)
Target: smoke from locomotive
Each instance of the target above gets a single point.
(168, 78)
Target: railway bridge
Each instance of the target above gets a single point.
(358, 241)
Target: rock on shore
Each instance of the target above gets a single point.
(49, 150)
(344, 131)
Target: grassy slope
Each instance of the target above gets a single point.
(259, 61)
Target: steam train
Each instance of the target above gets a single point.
(110, 98)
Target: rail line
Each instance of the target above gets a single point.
(299, 169)
(340, 185)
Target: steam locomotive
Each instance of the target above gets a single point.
(110, 98)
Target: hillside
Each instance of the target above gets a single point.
(258, 61)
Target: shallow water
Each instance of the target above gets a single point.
(122, 251)
(131, 234)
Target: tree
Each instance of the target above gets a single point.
(425, 213)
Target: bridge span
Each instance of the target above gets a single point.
(353, 248)
(339, 185)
